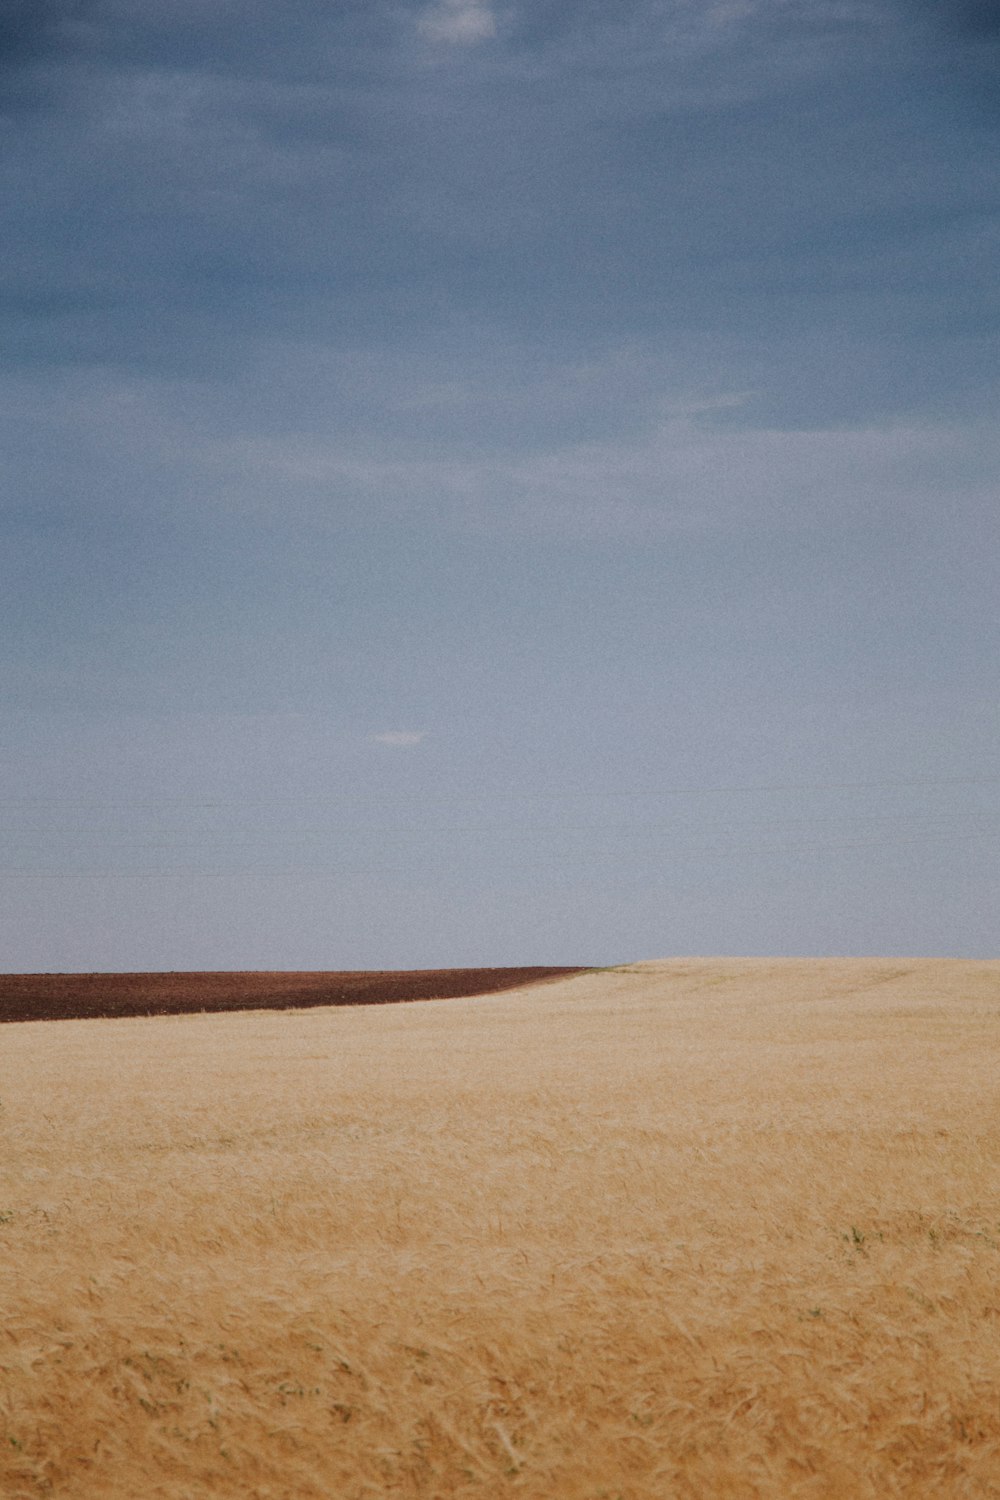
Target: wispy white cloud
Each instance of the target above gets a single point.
(686, 472)
(458, 21)
(399, 737)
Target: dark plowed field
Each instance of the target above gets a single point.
(65, 997)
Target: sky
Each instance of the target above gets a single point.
(497, 481)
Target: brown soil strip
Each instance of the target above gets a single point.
(65, 997)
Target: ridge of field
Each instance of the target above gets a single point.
(694, 1228)
(62, 997)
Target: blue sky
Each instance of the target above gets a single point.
(497, 483)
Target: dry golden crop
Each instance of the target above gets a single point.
(697, 1229)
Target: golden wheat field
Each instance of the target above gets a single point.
(700, 1228)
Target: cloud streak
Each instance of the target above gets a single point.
(683, 474)
(459, 22)
(399, 738)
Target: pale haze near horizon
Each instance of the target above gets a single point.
(498, 484)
